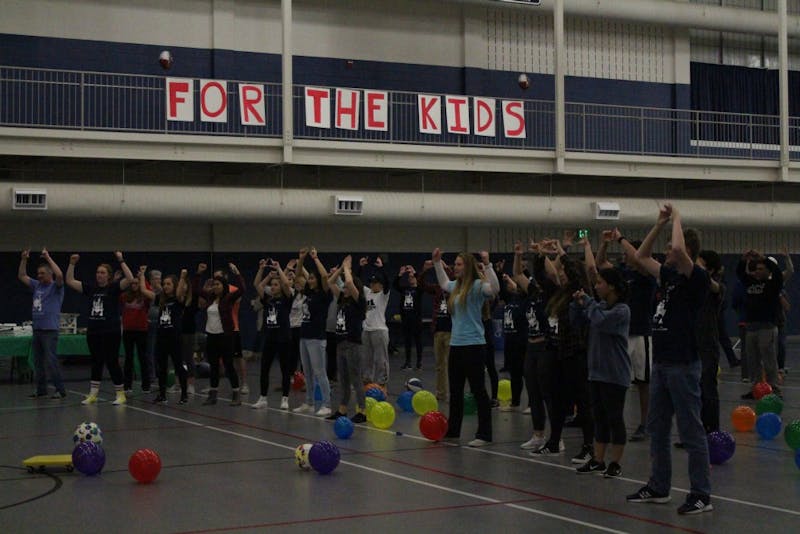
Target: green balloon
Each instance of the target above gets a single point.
(382, 415)
(792, 434)
(424, 402)
(769, 404)
(470, 406)
(504, 390)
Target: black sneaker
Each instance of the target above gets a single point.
(547, 450)
(678, 445)
(418, 367)
(359, 418)
(648, 494)
(639, 435)
(696, 504)
(614, 470)
(336, 415)
(184, 400)
(405, 366)
(584, 456)
(58, 395)
(748, 396)
(161, 399)
(592, 466)
(37, 395)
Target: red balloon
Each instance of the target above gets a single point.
(433, 425)
(298, 381)
(144, 465)
(761, 389)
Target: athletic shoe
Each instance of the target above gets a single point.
(526, 411)
(748, 396)
(160, 399)
(678, 445)
(184, 400)
(639, 435)
(37, 395)
(546, 451)
(418, 367)
(495, 403)
(592, 466)
(696, 504)
(244, 390)
(175, 388)
(58, 395)
(121, 399)
(323, 412)
(147, 390)
(535, 442)
(359, 418)
(614, 470)
(477, 442)
(405, 366)
(284, 403)
(260, 403)
(336, 415)
(303, 408)
(648, 494)
(128, 391)
(584, 456)
(506, 408)
(90, 399)
(745, 380)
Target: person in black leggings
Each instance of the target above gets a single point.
(168, 334)
(515, 329)
(410, 312)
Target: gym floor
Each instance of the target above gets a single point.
(229, 469)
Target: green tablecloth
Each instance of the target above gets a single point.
(68, 345)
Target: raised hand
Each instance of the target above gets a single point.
(402, 271)
(184, 273)
(26, 254)
(118, 255)
(274, 265)
(262, 263)
(499, 265)
(436, 255)
(607, 236)
(363, 261)
(201, 268)
(664, 213)
(74, 259)
(347, 262)
(484, 257)
(569, 237)
(303, 252)
(518, 248)
(232, 268)
(292, 263)
(142, 270)
(313, 253)
(616, 234)
(44, 254)
(378, 262)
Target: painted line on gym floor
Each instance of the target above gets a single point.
(395, 475)
(714, 496)
(363, 516)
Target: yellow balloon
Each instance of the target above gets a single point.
(424, 402)
(504, 390)
(370, 404)
(382, 415)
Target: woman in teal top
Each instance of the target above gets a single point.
(474, 283)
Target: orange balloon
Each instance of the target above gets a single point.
(743, 418)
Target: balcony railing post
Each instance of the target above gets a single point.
(83, 101)
(641, 131)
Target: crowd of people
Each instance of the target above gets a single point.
(578, 331)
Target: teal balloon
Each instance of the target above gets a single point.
(470, 405)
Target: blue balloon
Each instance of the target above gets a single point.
(404, 401)
(768, 425)
(721, 447)
(377, 394)
(343, 427)
(88, 458)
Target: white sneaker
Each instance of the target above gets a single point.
(561, 446)
(535, 442)
(478, 443)
(527, 411)
(323, 412)
(303, 408)
(244, 390)
(261, 403)
(284, 403)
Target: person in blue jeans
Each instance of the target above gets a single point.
(48, 294)
(675, 377)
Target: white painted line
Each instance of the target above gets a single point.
(394, 475)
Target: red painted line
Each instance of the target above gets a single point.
(464, 477)
(360, 516)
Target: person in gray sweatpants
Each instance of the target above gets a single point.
(375, 338)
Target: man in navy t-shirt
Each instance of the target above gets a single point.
(48, 294)
(675, 377)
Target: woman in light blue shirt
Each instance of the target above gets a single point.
(474, 283)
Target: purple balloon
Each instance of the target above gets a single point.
(721, 446)
(88, 458)
(324, 457)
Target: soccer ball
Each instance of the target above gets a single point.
(414, 384)
(523, 81)
(165, 59)
(88, 432)
(301, 456)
